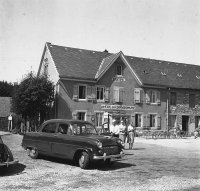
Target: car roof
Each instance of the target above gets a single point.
(2, 133)
(67, 121)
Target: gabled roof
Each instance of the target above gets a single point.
(106, 62)
(5, 105)
(88, 64)
(76, 63)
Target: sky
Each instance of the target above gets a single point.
(158, 29)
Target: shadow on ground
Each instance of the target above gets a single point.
(99, 165)
(12, 170)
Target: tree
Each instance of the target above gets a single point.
(33, 98)
(6, 89)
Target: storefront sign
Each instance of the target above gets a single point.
(117, 107)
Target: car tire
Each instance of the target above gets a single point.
(33, 153)
(83, 160)
(108, 162)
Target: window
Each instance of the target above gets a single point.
(63, 128)
(152, 120)
(49, 128)
(192, 100)
(138, 120)
(82, 92)
(119, 70)
(81, 116)
(118, 94)
(99, 119)
(100, 93)
(46, 68)
(82, 129)
(173, 98)
(153, 96)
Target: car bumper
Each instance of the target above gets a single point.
(8, 163)
(104, 156)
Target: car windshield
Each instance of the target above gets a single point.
(83, 129)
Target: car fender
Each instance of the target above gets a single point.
(80, 149)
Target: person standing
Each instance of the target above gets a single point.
(112, 127)
(116, 130)
(131, 135)
(122, 129)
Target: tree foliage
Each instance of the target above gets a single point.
(6, 89)
(33, 97)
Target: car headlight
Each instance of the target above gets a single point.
(120, 142)
(99, 145)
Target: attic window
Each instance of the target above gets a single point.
(119, 70)
(160, 63)
(145, 72)
(131, 57)
(80, 50)
(93, 52)
(65, 48)
(163, 73)
(198, 77)
(179, 75)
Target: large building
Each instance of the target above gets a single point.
(95, 86)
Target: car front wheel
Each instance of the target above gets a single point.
(83, 160)
(33, 153)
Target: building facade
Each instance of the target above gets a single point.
(99, 86)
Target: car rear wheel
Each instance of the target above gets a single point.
(83, 160)
(33, 153)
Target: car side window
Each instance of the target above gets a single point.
(49, 128)
(63, 128)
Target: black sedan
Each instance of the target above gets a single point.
(74, 140)
(6, 157)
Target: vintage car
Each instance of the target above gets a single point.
(74, 140)
(6, 157)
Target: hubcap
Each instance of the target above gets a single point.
(82, 159)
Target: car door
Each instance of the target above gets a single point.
(46, 138)
(63, 145)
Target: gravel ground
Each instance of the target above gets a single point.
(156, 165)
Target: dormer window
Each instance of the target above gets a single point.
(163, 73)
(179, 75)
(119, 70)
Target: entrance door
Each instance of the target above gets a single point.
(185, 120)
(197, 121)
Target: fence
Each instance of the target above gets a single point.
(161, 134)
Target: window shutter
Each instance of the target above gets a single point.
(148, 97)
(116, 95)
(74, 115)
(141, 95)
(137, 96)
(75, 92)
(106, 94)
(144, 119)
(93, 92)
(89, 93)
(148, 121)
(158, 97)
(158, 122)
